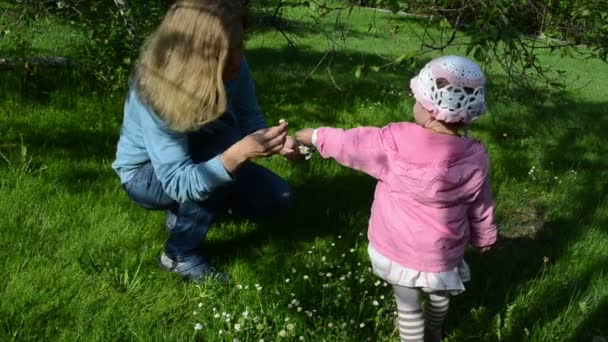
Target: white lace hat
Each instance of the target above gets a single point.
(451, 88)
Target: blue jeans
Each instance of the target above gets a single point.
(255, 193)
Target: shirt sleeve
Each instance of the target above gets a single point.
(245, 103)
(481, 218)
(181, 178)
(364, 149)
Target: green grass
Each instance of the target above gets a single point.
(78, 259)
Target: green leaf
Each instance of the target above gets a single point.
(375, 68)
(479, 55)
(359, 71)
(403, 57)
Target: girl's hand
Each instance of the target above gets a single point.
(305, 136)
(290, 149)
(259, 144)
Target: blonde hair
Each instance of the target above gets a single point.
(179, 71)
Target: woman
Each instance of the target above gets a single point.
(191, 126)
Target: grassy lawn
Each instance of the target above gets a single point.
(78, 259)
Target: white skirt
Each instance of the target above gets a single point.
(393, 273)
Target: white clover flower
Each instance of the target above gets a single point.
(358, 264)
(342, 278)
(301, 338)
(194, 312)
(286, 319)
(343, 255)
(290, 326)
(276, 292)
(282, 333)
(352, 250)
(308, 313)
(323, 258)
(375, 303)
(293, 270)
(289, 306)
(223, 314)
(328, 275)
(237, 327)
(305, 277)
(329, 325)
(228, 320)
(213, 308)
(361, 325)
(377, 283)
(325, 286)
(239, 286)
(198, 326)
(295, 302)
(309, 252)
(299, 309)
(344, 325)
(339, 236)
(261, 340)
(384, 284)
(245, 314)
(333, 244)
(220, 332)
(216, 316)
(287, 280)
(200, 305)
(256, 319)
(382, 297)
(292, 294)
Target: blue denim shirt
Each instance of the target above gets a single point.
(144, 138)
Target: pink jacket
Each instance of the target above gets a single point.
(432, 198)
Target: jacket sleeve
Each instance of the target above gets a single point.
(363, 149)
(481, 218)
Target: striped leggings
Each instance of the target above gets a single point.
(413, 324)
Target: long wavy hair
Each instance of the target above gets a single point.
(179, 70)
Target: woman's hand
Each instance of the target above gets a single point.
(485, 249)
(290, 150)
(305, 136)
(259, 144)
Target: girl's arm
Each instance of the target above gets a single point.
(364, 148)
(481, 218)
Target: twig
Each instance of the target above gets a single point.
(51, 62)
(316, 67)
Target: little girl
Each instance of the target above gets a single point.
(433, 196)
